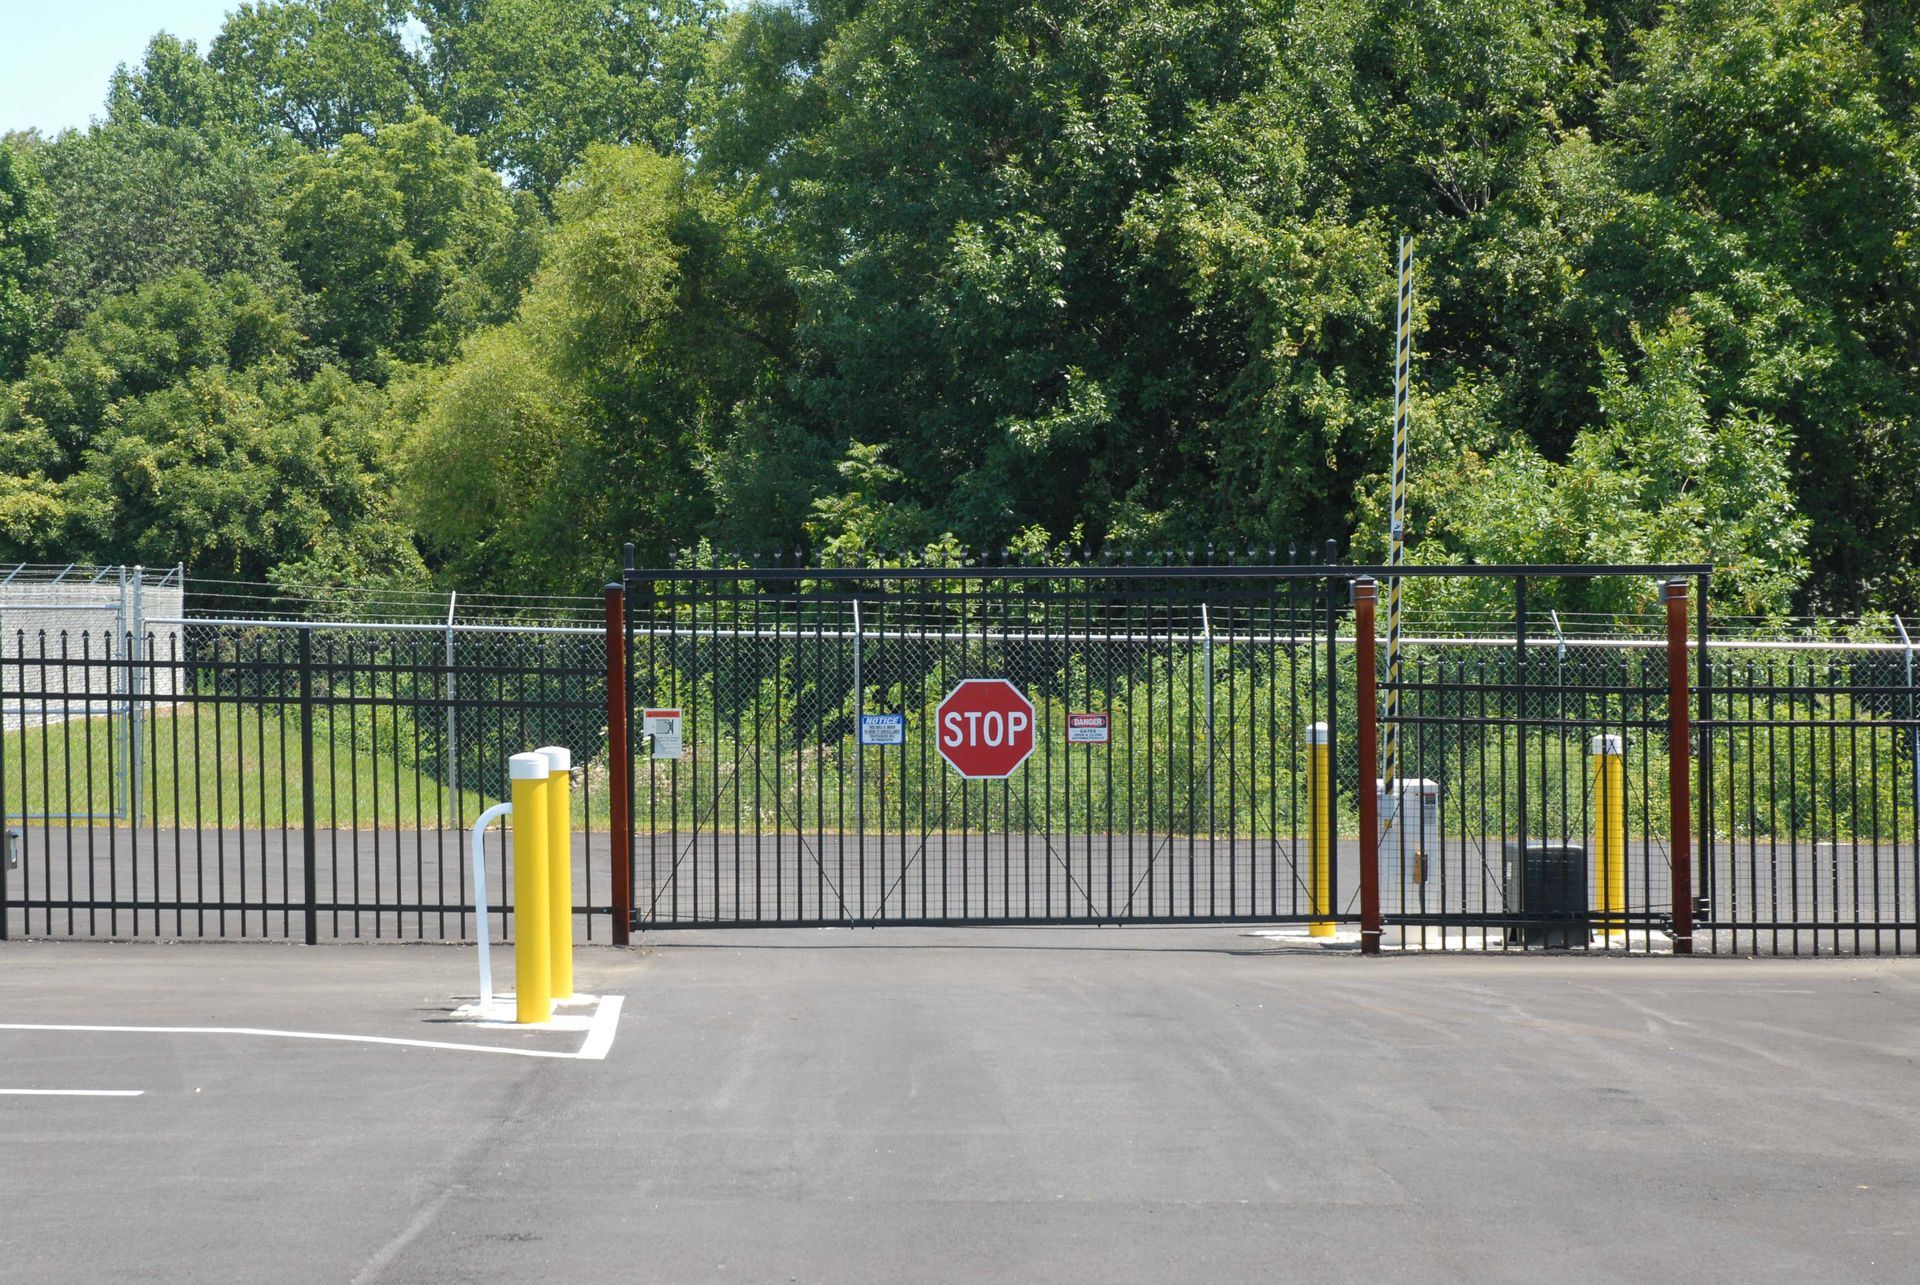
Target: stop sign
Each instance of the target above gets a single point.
(986, 728)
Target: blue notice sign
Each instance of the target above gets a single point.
(883, 729)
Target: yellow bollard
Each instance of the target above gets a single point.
(560, 865)
(532, 957)
(1610, 838)
(1319, 827)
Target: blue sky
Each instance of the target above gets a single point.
(56, 55)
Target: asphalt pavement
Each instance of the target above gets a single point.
(889, 1105)
(1858, 897)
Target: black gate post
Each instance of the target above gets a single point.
(619, 764)
(307, 836)
(1526, 894)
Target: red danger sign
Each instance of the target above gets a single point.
(986, 728)
(1087, 729)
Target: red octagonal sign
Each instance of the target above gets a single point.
(986, 728)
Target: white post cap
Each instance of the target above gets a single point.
(559, 757)
(1607, 745)
(1316, 733)
(527, 767)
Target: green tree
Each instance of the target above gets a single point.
(319, 69)
(1455, 122)
(953, 189)
(1126, 266)
(1661, 477)
(134, 201)
(538, 81)
(405, 240)
(863, 274)
(26, 243)
(174, 425)
(173, 87)
(597, 414)
(1771, 146)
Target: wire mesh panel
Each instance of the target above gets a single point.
(1166, 778)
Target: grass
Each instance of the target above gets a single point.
(227, 766)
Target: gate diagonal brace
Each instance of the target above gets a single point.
(905, 866)
(673, 873)
(819, 863)
(1153, 859)
(1166, 847)
(1071, 881)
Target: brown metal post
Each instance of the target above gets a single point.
(1367, 715)
(619, 765)
(1679, 768)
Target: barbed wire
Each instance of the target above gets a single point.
(222, 598)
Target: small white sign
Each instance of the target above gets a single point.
(1087, 729)
(883, 729)
(663, 725)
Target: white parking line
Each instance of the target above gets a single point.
(599, 1036)
(71, 1093)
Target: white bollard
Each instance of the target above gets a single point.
(486, 819)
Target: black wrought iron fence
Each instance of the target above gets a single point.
(1799, 801)
(304, 780)
(1807, 807)
(284, 780)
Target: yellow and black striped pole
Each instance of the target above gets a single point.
(559, 867)
(1610, 831)
(1319, 831)
(1396, 531)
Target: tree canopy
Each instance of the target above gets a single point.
(26, 243)
(478, 289)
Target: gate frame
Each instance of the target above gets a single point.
(1361, 581)
(1321, 608)
(1672, 590)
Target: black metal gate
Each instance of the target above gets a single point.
(807, 785)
